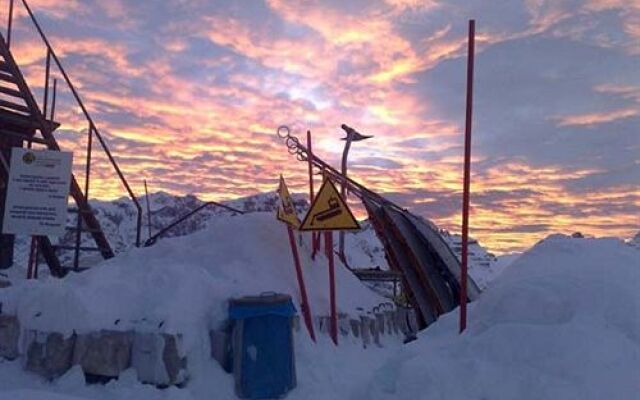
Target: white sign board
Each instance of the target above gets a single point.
(37, 192)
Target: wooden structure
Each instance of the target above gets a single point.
(24, 123)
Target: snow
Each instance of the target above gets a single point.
(504, 261)
(182, 285)
(363, 248)
(183, 282)
(484, 267)
(562, 322)
(635, 241)
(324, 371)
(118, 220)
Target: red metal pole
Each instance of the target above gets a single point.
(310, 160)
(306, 309)
(315, 238)
(328, 242)
(146, 192)
(467, 179)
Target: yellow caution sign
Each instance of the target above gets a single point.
(329, 212)
(287, 210)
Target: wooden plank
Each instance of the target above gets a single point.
(48, 252)
(23, 121)
(83, 229)
(82, 248)
(7, 78)
(14, 106)
(26, 138)
(10, 92)
(5, 67)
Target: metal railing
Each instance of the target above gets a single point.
(153, 239)
(301, 152)
(92, 129)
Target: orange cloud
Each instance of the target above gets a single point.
(597, 117)
(209, 128)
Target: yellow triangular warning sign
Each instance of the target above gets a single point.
(286, 209)
(329, 212)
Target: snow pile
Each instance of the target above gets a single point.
(484, 267)
(118, 220)
(503, 261)
(182, 285)
(563, 322)
(363, 248)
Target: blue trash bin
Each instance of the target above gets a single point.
(262, 343)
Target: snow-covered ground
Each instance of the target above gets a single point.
(183, 283)
(484, 267)
(563, 322)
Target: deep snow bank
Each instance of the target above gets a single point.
(182, 285)
(563, 322)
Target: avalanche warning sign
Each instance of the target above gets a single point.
(329, 212)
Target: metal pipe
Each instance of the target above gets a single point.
(87, 179)
(164, 230)
(10, 23)
(467, 179)
(45, 100)
(328, 243)
(146, 192)
(328, 171)
(310, 156)
(53, 99)
(315, 237)
(343, 193)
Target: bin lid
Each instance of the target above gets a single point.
(265, 304)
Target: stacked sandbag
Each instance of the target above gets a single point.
(48, 354)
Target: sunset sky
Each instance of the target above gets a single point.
(189, 94)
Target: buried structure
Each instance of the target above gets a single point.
(430, 272)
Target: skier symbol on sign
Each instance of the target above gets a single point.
(329, 212)
(333, 210)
